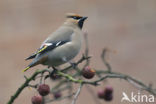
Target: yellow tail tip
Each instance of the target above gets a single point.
(25, 69)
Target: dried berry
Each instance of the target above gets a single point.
(88, 73)
(57, 95)
(43, 89)
(108, 97)
(36, 99)
(108, 93)
(55, 76)
(101, 94)
(108, 90)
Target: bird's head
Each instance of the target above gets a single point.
(76, 19)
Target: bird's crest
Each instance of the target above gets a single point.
(71, 15)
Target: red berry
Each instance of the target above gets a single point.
(88, 73)
(108, 97)
(57, 95)
(101, 94)
(108, 90)
(108, 93)
(36, 99)
(43, 89)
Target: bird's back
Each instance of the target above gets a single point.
(63, 33)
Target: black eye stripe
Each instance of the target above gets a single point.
(74, 17)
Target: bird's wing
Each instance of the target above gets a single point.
(59, 38)
(47, 47)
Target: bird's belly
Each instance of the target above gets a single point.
(54, 62)
(62, 55)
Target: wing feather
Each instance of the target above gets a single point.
(58, 38)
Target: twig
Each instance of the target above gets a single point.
(83, 58)
(103, 57)
(41, 77)
(127, 78)
(90, 90)
(86, 48)
(61, 98)
(77, 94)
(33, 86)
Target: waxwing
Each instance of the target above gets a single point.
(62, 45)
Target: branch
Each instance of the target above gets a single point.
(25, 84)
(77, 94)
(62, 98)
(83, 58)
(110, 75)
(102, 74)
(28, 80)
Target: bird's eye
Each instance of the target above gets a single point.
(76, 18)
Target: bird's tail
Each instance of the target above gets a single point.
(31, 57)
(36, 62)
(29, 66)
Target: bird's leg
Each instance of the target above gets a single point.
(49, 67)
(73, 64)
(54, 70)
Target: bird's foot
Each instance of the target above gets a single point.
(73, 64)
(54, 69)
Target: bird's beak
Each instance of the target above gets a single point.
(83, 19)
(80, 23)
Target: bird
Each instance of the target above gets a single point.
(62, 45)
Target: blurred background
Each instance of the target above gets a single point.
(125, 26)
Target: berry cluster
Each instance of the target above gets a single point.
(87, 72)
(43, 90)
(106, 94)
